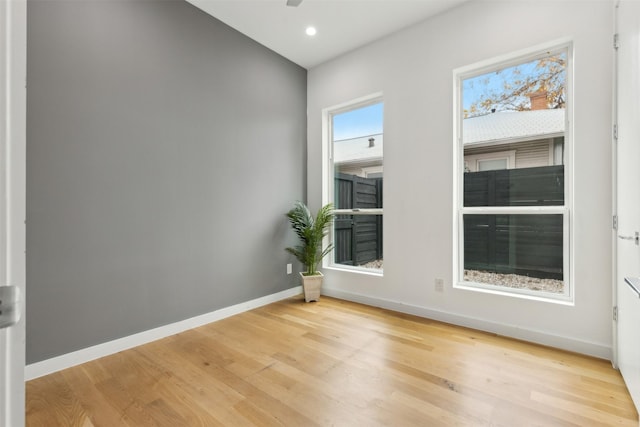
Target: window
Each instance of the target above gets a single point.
(355, 183)
(512, 173)
(489, 161)
(493, 164)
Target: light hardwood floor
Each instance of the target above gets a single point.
(333, 363)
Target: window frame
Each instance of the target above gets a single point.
(566, 210)
(328, 187)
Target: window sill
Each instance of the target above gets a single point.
(478, 287)
(357, 270)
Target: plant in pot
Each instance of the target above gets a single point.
(309, 252)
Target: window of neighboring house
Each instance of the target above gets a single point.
(355, 183)
(513, 193)
(372, 172)
(493, 164)
(490, 161)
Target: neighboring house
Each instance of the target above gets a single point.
(359, 156)
(502, 140)
(514, 140)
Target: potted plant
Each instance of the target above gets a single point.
(309, 252)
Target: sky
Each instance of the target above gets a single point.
(473, 88)
(357, 123)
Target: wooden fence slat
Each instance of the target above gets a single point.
(539, 186)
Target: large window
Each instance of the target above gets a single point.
(355, 183)
(512, 178)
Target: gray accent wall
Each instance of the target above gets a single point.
(163, 149)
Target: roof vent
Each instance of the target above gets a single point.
(372, 142)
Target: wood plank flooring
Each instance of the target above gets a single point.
(333, 363)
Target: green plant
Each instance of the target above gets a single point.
(311, 233)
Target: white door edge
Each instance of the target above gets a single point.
(13, 58)
(614, 201)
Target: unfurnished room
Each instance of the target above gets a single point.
(320, 213)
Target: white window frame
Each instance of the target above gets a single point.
(329, 175)
(473, 70)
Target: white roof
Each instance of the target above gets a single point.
(511, 126)
(357, 149)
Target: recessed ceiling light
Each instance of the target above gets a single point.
(311, 31)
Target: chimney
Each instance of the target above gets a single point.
(372, 142)
(538, 100)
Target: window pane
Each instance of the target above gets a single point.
(541, 186)
(358, 240)
(358, 144)
(515, 251)
(519, 110)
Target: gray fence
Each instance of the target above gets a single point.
(515, 244)
(358, 238)
(520, 244)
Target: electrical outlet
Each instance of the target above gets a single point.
(289, 268)
(439, 285)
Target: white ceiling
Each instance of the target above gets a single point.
(342, 25)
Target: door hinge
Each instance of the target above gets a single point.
(615, 313)
(616, 41)
(615, 132)
(9, 306)
(615, 222)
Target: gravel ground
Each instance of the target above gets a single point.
(506, 280)
(372, 264)
(514, 281)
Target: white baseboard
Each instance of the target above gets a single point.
(539, 337)
(68, 360)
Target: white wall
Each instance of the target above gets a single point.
(413, 69)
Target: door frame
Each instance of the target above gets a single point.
(13, 73)
(614, 198)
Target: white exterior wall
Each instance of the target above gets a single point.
(413, 69)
